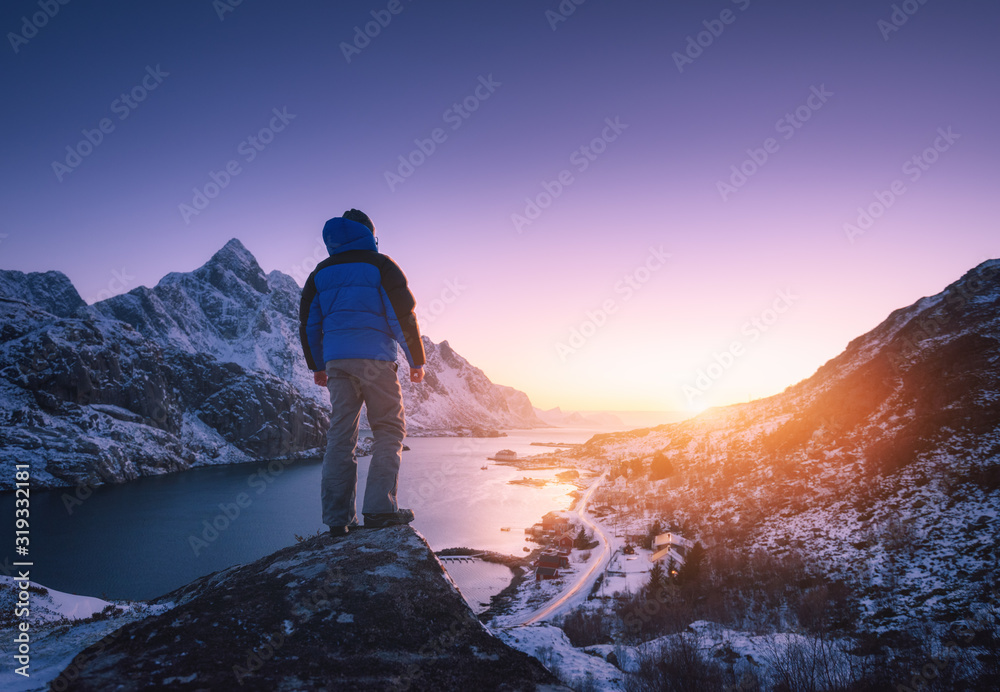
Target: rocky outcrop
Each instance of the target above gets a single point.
(370, 611)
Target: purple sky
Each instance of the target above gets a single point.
(576, 306)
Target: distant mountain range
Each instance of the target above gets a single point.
(204, 368)
(576, 419)
(882, 469)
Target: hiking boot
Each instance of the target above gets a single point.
(397, 518)
(338, 531)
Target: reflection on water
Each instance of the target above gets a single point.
(145, 538)
(477, 580)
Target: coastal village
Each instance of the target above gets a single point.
(609, 552)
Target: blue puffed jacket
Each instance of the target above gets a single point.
(356, 303)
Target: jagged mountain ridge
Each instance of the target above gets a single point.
(883, 468)
(575, 419)
(52, 291)
(204, 368)
(230, 309)
(88, 401)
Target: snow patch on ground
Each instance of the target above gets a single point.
(61, 626)
(573, 666)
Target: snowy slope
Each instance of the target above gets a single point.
(61, 625)
(882, 470)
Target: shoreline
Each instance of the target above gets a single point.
(503, 603)
(202, 493)
(311, 454)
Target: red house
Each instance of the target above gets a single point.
(554, 561)
(554, 522)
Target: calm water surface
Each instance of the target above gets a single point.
(135, 541)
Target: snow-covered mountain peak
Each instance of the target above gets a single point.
(233, 262)
(279, 281)
(207, 366)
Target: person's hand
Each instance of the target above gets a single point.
(320, 378)
(416, 375)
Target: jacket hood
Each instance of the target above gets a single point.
(341, 235)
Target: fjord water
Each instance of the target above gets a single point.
(139, 540)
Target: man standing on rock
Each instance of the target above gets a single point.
(355, 308)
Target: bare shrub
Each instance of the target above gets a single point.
(677, 667)
(585, 627)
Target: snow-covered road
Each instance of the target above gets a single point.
(576, 592)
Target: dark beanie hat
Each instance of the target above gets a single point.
(360, 217)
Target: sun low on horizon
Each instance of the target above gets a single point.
(608, 217)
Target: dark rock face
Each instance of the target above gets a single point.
(369, 611)
(92, 401)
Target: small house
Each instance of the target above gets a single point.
(554, 561)
(555, 523)
(665, 539)
(546, 573)
(670, 544)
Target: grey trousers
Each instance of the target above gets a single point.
(353, 381)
